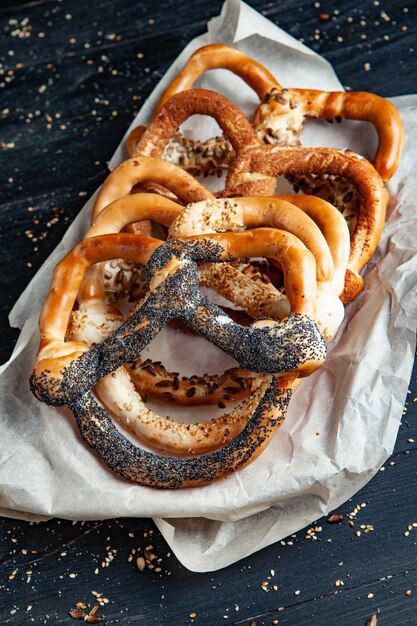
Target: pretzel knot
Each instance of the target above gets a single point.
(289, 349)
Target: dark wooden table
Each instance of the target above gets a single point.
(72, 75)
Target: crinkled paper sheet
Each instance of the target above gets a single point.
(354, 401)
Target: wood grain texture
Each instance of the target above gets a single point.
(68, 92)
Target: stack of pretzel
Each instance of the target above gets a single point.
(157, 235)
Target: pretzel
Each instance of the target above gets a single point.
(65, 372)
(295, 161)
(154, 140)
(282, 112)
(232, 215)
(235, 384)
(271, 118)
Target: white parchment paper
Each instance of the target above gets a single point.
(354, 401)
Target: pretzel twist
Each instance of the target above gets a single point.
(66, 372)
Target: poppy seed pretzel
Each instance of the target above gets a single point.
(65, 373)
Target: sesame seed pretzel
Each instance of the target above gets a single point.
(295, 161)
(66, 372)
(282, 112)
(236, 128)
(279, 119)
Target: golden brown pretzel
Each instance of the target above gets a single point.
(351, 105)
(219, 56)
(65, 372)
(183, 105)
(142, 168)
(279, 105)
(295, 161)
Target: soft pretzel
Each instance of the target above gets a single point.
(236, 128)
(271, 118)
(279, 119)
(66, 372)
(295, 161)
(282, 112)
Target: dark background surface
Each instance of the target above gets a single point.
(72, 75)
